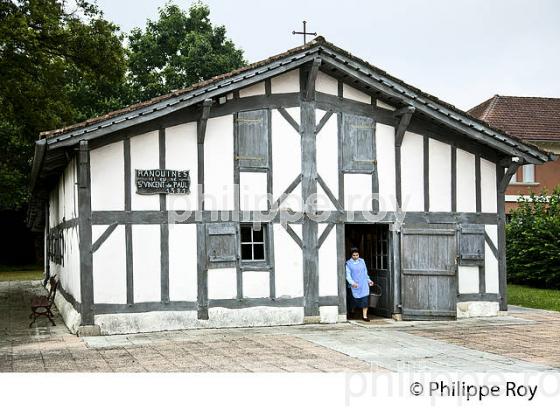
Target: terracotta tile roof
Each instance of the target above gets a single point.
(528, 118)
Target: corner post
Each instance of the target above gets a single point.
(84, 223)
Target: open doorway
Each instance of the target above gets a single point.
(372, 241)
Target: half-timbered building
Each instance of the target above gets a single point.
(235, 202)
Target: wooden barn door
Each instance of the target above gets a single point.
(428, 272)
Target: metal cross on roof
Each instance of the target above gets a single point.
(304, 32)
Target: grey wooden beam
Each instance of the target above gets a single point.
(202, 272)
(325, 234)
(312, 76)
(453, 178)
(201, 128)
(477, 297)
(323, 121)
(491, 245)
(403, 118)
(340, 268)
(287, 192)
(103, 237)
(164, 228)
(329, 193)
(511, 170)
(478, 187)
(128, 228)
(309, 190)
(289, 118)
(426, 163)
(85, 235)
(502, 264)
(294, 235)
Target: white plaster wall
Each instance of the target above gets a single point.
(70, 191)
(328, 264)
(488, 188)
(253, 191)
(440, 176)
(491, 271)
(255, 89)
(386, 106)
(468, 279)
(72, 318)
(107, 177)
(477, 309)
(358, 192)
(385, 144)
(412, 172)
(109, 266)
(68, 273)
(256, 284)
(324, 83)
(60, 199)
(182, 262)
(222, 283)
(285, 83)
(218, 164)
(146, 262)
(218, 317)
(53, 207)
(327, 160)
(144, 154)
(286, 158)
(466, 185)
(354, 94)
(328, 314)
(181, 153)
(289, 264)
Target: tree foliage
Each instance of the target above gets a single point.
(57, 66)
(533, 241)
(179, 49)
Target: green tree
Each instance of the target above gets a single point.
(177, 50)
(533, 241)
(57, 66)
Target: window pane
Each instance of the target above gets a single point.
(246, 253)
(258, 235)
(259, 251)
(245, 234)
(529, 173)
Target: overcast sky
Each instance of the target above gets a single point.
(460, 51)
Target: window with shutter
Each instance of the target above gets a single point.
(221, 245)
(358, 150)
(472, 245)
(252, 137)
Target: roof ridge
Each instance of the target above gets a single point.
(490, 107)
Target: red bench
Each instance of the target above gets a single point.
(41, 305)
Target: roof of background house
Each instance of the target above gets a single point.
(529, 118)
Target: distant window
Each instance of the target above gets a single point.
(529, 173)
(253, 247)
(513, 179)
(252, 135)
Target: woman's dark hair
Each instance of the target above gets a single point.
(354, 250)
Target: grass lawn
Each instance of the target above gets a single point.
(20, 273)
(548, 299)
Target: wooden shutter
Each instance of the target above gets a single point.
(358, 143)
(472, 245)
(428, 272)
(252, 134)
(221, 245)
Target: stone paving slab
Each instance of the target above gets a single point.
(524, 340)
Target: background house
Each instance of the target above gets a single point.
(535, 120)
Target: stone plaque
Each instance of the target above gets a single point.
(162, 181)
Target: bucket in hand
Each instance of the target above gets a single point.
(374, 295)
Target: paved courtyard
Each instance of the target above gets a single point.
(524, 340)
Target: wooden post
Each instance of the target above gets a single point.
(84, 223)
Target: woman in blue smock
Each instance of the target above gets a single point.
(359, 282)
